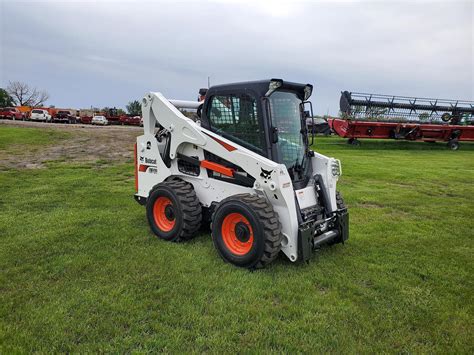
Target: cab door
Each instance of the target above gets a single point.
(237, 116)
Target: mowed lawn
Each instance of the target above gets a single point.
(80, 270)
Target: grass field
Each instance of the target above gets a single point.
(12, 139)
(81, 272)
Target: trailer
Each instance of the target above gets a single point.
(130, 120)
(401, 117)
(353, 130)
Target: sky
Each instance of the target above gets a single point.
(107, 53)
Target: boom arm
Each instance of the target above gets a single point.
(156, 108)
(156, 105)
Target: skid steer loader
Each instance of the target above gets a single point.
(246, 167)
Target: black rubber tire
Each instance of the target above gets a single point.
(265, 225)
(186, 204)
(353, 141)
(446, 117)
(453, 144)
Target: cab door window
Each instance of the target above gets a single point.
(235, 117)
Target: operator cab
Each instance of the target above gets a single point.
(266, 117)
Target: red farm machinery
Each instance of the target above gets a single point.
(400, 117)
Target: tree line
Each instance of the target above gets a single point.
(21, 94)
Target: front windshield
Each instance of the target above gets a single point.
(286, 116)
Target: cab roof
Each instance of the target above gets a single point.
(260, 87)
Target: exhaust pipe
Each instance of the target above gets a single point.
(325, 238)
(185, 104)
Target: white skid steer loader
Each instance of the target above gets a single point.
(246, 167)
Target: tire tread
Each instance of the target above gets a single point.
(190, 207)
(271, 225)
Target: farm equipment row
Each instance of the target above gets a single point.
(400, 117)
(111, 117)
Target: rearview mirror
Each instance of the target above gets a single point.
(308, 116)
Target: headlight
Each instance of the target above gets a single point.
(336, 167)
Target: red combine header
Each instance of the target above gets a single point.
(401, 117)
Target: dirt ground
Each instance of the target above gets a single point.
(86, 144)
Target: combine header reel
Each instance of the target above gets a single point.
(400, 117)
(404, 109)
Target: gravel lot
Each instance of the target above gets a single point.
(86, 144)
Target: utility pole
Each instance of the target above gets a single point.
(208, 82)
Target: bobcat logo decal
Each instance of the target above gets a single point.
(266, 173)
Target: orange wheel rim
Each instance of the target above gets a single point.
(237, 234)
(163, 213)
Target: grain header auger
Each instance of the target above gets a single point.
(246, 167)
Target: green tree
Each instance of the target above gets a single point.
(134, 108)
(5, 99)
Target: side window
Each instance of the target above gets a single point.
(236, 118)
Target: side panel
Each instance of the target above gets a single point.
(151, 170)
(306, 197)
(283, 201)
(208, 190)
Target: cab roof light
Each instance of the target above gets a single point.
(274, 84)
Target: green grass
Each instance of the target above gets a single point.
(14, 138)
(81, 272)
